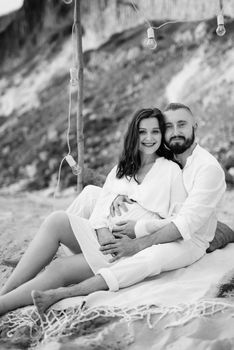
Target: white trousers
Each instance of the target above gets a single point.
(148, 262)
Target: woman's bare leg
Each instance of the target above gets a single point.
(55, 229)
(60, 273)
(43, 300)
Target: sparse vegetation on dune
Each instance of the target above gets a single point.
(191, 64)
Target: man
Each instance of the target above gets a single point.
(176, 245)
(203, 180)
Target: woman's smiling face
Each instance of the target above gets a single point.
(150, 136)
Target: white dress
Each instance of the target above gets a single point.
(158, 196)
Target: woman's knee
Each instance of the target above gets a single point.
(55, 224)
(58, 215)
(58, 218)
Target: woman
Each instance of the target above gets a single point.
(145, 174)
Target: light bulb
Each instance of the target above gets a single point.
(75, 170)
(73, 76)
(220, 31)
(151, 42)
(67, 2)
(74, 166)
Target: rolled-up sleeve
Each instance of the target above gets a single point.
(110, 279)
(140, 228)
(147, 227)
(208, 189)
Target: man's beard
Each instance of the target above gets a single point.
(178, 147)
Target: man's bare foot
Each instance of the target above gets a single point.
(43, 300)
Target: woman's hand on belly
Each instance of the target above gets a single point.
(124, 227)
(119, 205)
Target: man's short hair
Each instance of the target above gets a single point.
(174, 106)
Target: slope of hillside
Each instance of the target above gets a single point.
(191, 65)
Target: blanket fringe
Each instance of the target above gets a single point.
(61, 323)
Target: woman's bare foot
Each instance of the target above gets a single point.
(43, 300)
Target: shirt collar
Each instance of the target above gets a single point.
(191, 157)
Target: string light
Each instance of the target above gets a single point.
(73, 82)
(73, 76)
(151, 42)
(74, 166)
(220, 30)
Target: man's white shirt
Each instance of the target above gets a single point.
(204, 181)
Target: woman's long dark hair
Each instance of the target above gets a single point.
(130, 160)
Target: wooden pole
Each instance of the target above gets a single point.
(79, 114)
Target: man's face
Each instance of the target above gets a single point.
(180, 130)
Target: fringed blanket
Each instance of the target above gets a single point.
(172, 299)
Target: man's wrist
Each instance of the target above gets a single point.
(145, 242)
(168, 233)
(137, 245)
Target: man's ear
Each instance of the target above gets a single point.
(195, 126)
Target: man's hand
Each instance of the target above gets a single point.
(125, 227)
(118, 205)
(123, 246)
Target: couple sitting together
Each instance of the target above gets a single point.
(168, 188)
